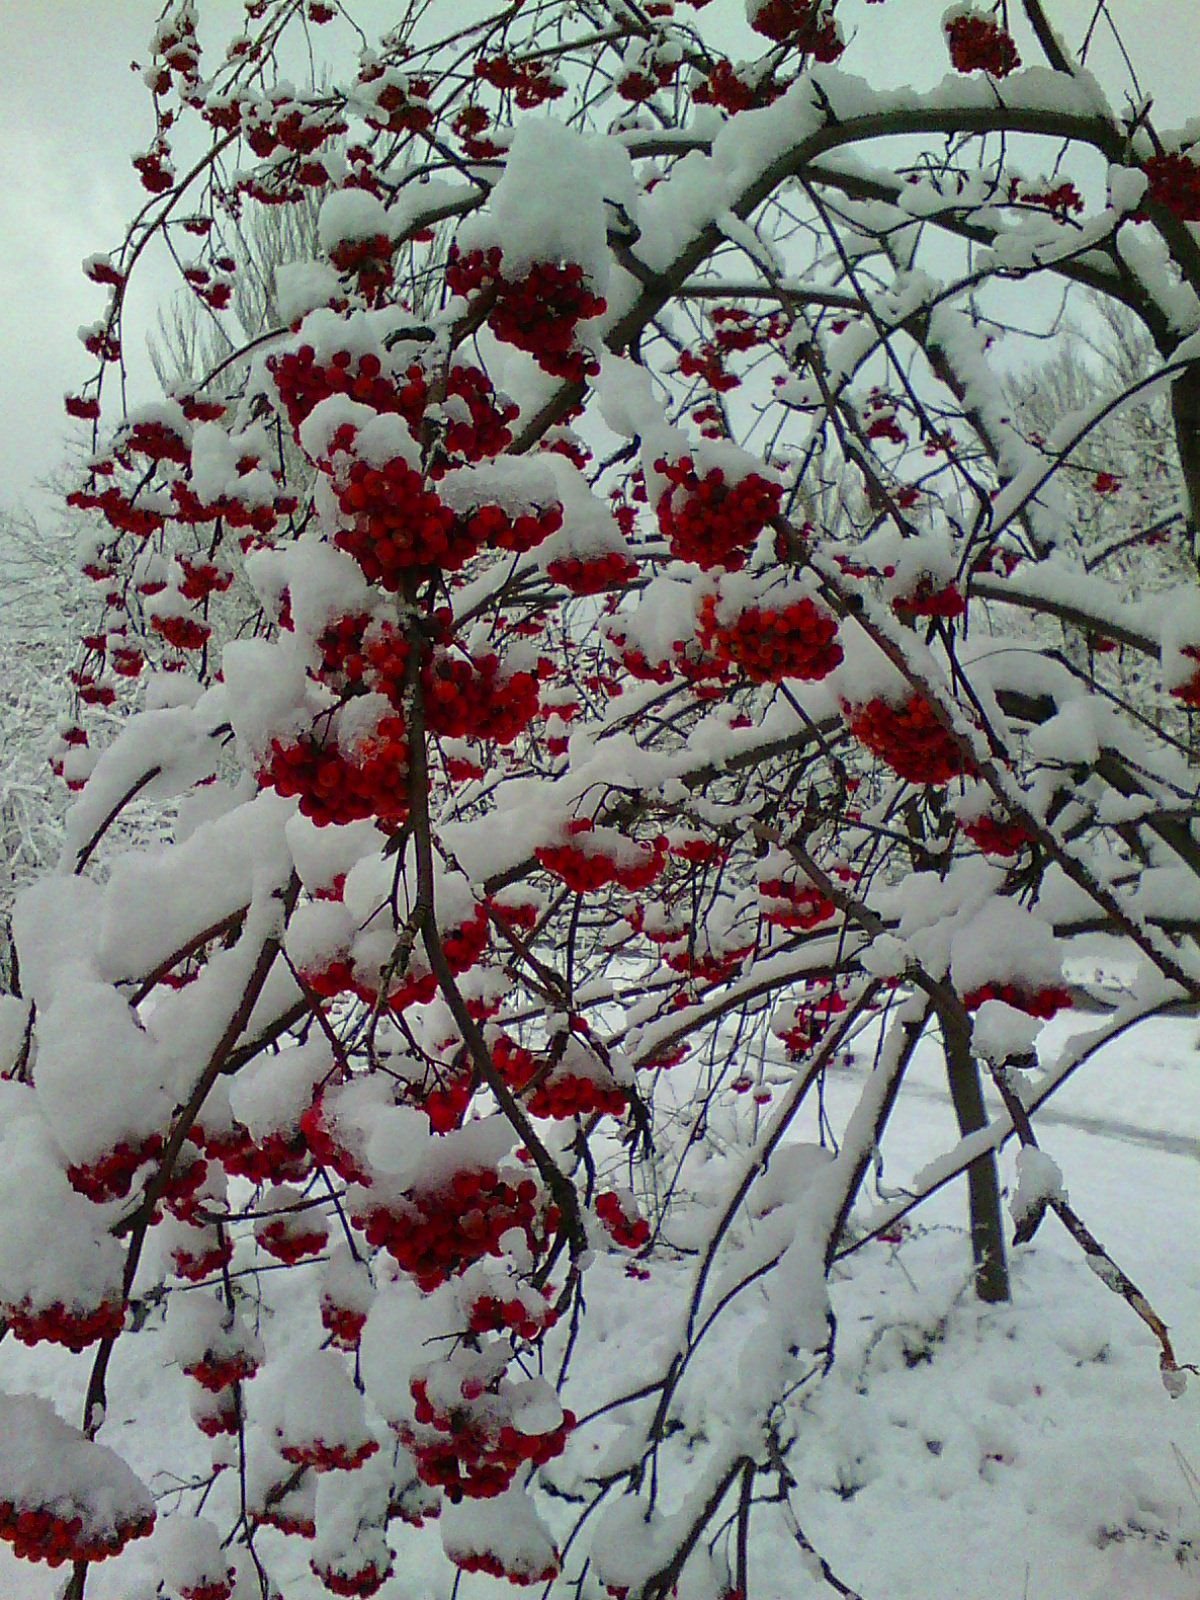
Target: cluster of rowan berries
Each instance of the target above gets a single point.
(111, 1175)
(582, 575)
(287, 124)
(118, 510)
(202, 1252)
(621, 1221)
(470, 1450)
(182, 632)
(40, 1535)
(789, 904)
(561, 1093)
(1189, 690)
(343, 1324)
(335, 788)
(996, 836)
(584, 865)
(156, 440)
(217, 1370)
(296, 1236)
(303, 382)
(57, 1323)
(724, 88)
(910, 739)
(710, 521)
(396, 107)
(768, 644)
(396, 524)
(643, 81)
(487, 1561)
(217, 1589)
(1175, 184)
(980, 43)
(362, 1583)
(528, 81)
(538, 312)
(216, 1416)
(279, 1156)
(436, 1234)
(491, 1314)
(805, 25)
(467, 697)
(927, 598)
(342, 1455)
(368, 261)
(327, 1138)
(1043, 1002)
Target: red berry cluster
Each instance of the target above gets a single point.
(469, 697)
(910, 739)
(327, 1142)
(118, 511)
(528, 81)
(366, 1581)
(368, 261)
(1175, 184)
(767, 645)
(397, 524)
(303, 383)
(65, 1325)
(710, 521)
(292, 1238)
(928, 599)
(485, 432)
(643, 82)
(156, 440)
(342, 1456)
(343, 1324)
(487, 1561)
(184, 633)
(470, 1451)
(980, 44)
(997, 836)
(1044, 1002)
(219, 1371)
(582, 575)
(621, 1221)
(49, 1536)
(724, 88)
(217, 1416)
(538, 313)
(334, 788)
(1189, 690)
(803, 24)
(565, 1094)
(561, 1093)
(397, 108)
(280, 1156)
(199, 1259)
(218, 1589)
(490, 1314)
(202, 578)
(584, 866)
(111, 1176)
(788, 904)
(436, 1235)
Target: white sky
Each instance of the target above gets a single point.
(72, 113)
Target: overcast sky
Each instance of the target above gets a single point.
(72, 113)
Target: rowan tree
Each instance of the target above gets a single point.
(644, 695)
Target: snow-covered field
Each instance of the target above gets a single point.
(955, 1452)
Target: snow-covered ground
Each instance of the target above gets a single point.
(956, 1451)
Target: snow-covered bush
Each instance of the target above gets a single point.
(637, 690)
